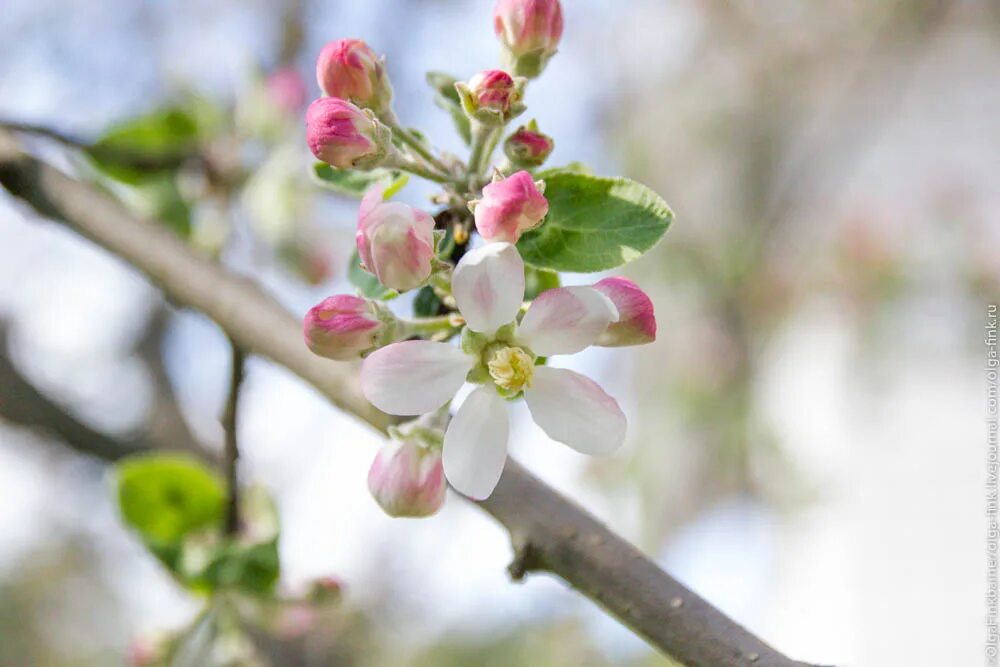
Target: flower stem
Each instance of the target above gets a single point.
(484, 140)
(399, 161)
(414, 144)
(427, 326)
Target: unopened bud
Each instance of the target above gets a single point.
(350, 70)
(527, 147)
(344, 327)
(345, 136)
(636, 323)
(395, 242)
(407, 479)
(492, 97)
(509, 208)
(529, 31)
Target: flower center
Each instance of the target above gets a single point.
(511, 368)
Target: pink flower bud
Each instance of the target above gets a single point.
(636, 323)
(407, 479)
(529, 31)
(492, 97)
(344, 136)
(509, 208)
(395, 242)
(527, 147)
(286, 89)
(344, 327)
(350, 70)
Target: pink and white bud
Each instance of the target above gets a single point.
(350, 70)
(527, 147)
(345, 136)
(407, 479)
(529, 31)
(395, 242)
(286, 89)
(492, 97)
(344, 327)
(510, 207)
(636, 323)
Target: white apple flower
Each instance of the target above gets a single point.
(500, 355)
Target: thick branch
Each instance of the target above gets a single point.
(549, 532)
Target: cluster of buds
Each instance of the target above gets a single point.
(527, 148)
(414, 368)
(345, 136)
(347, 127)
(492, 97)
(529, 31)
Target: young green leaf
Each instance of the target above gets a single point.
(353, 183)
(155, 143)
(594, 223)
(165, 497)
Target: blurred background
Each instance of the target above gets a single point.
(806, 435)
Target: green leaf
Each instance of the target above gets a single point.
(354, 183)
(154, 143)
(594, 223)
(447, 98)
(574, 167)
(426, 303)
(537, 281)
(168, 496)
(253, 568)
(367, 283)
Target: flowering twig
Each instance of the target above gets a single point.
(552, 533)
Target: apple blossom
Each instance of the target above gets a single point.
(345, 136)
(492, 97)
(350, 70)
(510, 207)
(395, 242)
(502, 356)
(407, 479)
(527, 147)
(344, 327)
(636, 323)
(529, 31)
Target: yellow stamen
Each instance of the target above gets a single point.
(511, 368)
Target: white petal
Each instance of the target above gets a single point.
(475, 445)
(488, 285)
(574, 410)
(414, 376)
(566, 320)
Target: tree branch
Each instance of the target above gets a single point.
(549, 532)
(23, 404)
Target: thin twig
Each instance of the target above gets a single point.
(231, 453)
